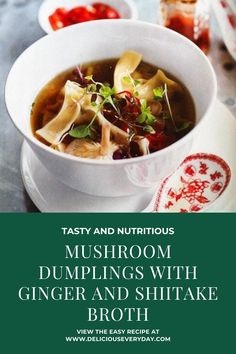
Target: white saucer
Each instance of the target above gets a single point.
(218, 136)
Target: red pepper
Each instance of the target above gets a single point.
(159, 141)
(100, 9)
(97, 11)
(58, 19)
(105, 11)
(81, 14)
(128, 93)
(111, 13)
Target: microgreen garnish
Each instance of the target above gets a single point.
(127, 79)
(81, 131)
(106, 92)
(146, 116)
(159, 93)
(184, 126)
(130, 81)
(169, 107)
(91, 88)
(149, 129)
(89, 78)
(79, 74)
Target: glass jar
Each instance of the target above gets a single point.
(188, 17)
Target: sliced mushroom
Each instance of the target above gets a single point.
(156, 107)
(143, 144)
(53, 131)
(105, 143)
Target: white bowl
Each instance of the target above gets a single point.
(99, 40)
(126, 8)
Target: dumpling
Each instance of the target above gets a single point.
(145, 90)
(53, 131)
(126, 65)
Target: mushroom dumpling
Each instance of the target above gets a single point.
(126, 65)
(160, 79)
(53, 131)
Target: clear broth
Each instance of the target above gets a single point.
(49, 100)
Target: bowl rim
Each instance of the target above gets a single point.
(42, 16)
(34, 141)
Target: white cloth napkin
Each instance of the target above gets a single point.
(225, 11)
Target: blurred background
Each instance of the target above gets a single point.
(19, 28)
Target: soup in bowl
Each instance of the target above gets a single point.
(111, 107)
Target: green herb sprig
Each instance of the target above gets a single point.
(146, 116)
(106, 94)
(130, 81)
(161, 93)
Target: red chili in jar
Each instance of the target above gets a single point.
(189, 18)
